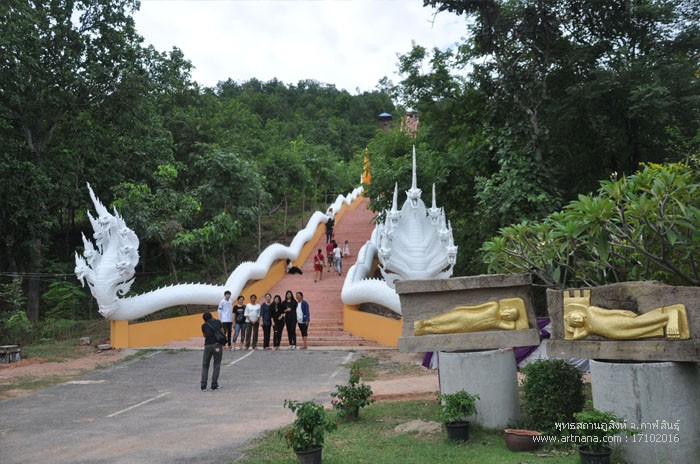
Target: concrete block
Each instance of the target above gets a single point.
(657, 398)
(493, 375)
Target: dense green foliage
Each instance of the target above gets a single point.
(640, 227)
(206, 177)
(551, 393)
(535, 105)
(538, 102)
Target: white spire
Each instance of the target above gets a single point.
(414, 181)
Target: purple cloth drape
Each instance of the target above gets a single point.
(523, 352)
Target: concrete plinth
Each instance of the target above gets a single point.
(10, 354)
(493, 375)
(657, 398)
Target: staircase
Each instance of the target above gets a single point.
(326, 308)
(325, 305)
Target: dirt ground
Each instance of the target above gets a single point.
(400, 376)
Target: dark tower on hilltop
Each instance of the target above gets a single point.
(385, 121)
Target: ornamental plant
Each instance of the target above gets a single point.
(350, 398)
(645, 226)
(593, 426)
(309, 429)
(551, 393)
(457, 407)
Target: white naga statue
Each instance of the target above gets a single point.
(415, 242)
(108, 266)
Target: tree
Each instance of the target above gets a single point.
(640, 227)
(541, 99)
(56, 58)
(159, 214)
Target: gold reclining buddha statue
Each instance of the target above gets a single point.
(505, 314)
(581, 319)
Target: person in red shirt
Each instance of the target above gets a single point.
(329, 253)
(319, 259)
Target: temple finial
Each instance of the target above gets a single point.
(414, 181)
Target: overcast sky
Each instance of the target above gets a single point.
(349, 43)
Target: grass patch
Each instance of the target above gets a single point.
(56, 351)
(372, 439)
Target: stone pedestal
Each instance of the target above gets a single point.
(10, 354)
(656, 397)
(423, 299)
(493, 375)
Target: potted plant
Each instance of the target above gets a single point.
(455, 409)
(307, 434)
(594, 427)
(353, 396)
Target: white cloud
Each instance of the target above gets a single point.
(351, 43)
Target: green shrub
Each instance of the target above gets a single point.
(64, 300)
(552, 392)
(19, 329)
(595, 426)
(350, 398)
(310, 427)
(641, 227)
(58, 329)
(457, 406)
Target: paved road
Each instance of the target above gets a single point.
(150, 409)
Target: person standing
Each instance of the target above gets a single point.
(226, 316)
(289, 306)
(211, 350)
(252, 319)
(319, 259)
(239, 312)
(277, 311)
(266, 316)
(338, 258)
(303, 317)
(329, 254)
(346, 249)
(330, 223)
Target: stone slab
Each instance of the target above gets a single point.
(463, 283)
(10, 354)
(660, 399)
(639, 297)
(423, 299)
(630, 350)
(498, 404)
(491, 340)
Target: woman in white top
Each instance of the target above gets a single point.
(338, 259)
(252, 319)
